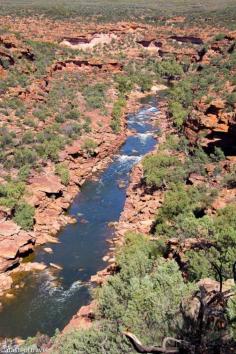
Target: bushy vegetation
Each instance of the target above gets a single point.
(145, 296)
(169, 69)
(217, 260)
(24, 216)
(11, 192)
(161, 170)
(63, 172)
(95, 95)
(178, 113)
(89, 146)
(206, 83)
(117, 114)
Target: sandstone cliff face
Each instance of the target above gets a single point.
(212, 120)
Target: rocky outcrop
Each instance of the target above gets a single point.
(14, 243)
(83, 319)
(12, 49)
(210, 123)
(89, 41)
(176, 248)
(105, 65)
(6, 283)
(187, 39)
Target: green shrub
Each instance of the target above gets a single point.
(219, 37)
(63, 172)
(44, 55)
(60, 118)
(41, 112)
(87, 125)
(231, 99)
(117, 113)
(24, 156)
(50, 149)
(11, 192)
(89, 145)
(146, 294)
(182, 93)
(28, 138)
(124, 84)
(178, 113)
(221, 256)
(30, 122)
(169, 69)
(161, 170)
(72, 114)
(182, 214)
(6, 137)
(144, 80)
(101, 338)
(72, 130)
(218, 155)
(95, 95)
(23, 173)
(24, 216)
(229, 181)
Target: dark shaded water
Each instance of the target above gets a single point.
(50, 298)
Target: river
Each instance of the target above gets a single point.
(51, 297)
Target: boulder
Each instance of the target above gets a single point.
(5, 282)
(218, 103)
(19, 243)
(48, 184)
(83, 319)
(8, 228)
(30, 266)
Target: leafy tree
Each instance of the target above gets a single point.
(182, 93)
(182, 214)
(178, 113)
(218, 259)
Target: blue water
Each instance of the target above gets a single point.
(50, 298)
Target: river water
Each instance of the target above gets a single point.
(50, 298)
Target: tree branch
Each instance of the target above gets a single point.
(140, 348)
